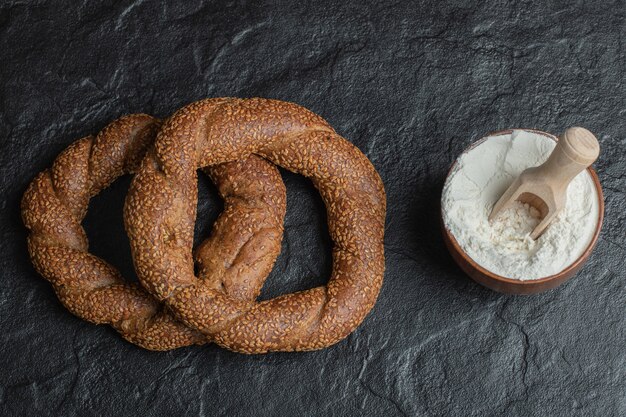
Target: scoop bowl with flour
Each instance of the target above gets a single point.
(501, 254)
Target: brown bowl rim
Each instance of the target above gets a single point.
(528, 284)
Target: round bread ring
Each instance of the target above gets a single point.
(235, 259)
(160, 209)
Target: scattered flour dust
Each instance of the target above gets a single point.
(481, 175)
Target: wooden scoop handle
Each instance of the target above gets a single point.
(575, 151)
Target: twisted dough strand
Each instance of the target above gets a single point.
(236, 258)
(164, 192)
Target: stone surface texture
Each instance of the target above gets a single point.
(411, 83)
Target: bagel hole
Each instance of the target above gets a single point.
(104, 225)
(305, 260)
(209, 207)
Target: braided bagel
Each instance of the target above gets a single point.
(161, 206)
(235, 259)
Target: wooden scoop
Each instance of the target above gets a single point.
(545, 187)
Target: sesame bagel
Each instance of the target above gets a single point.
(161, 207)
(235, 259)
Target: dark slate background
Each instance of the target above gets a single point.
(411, 84)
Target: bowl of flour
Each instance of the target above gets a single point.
(500, 254)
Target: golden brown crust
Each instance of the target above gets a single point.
(160, 209)
(236, 258)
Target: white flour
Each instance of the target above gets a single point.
(505, 248)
